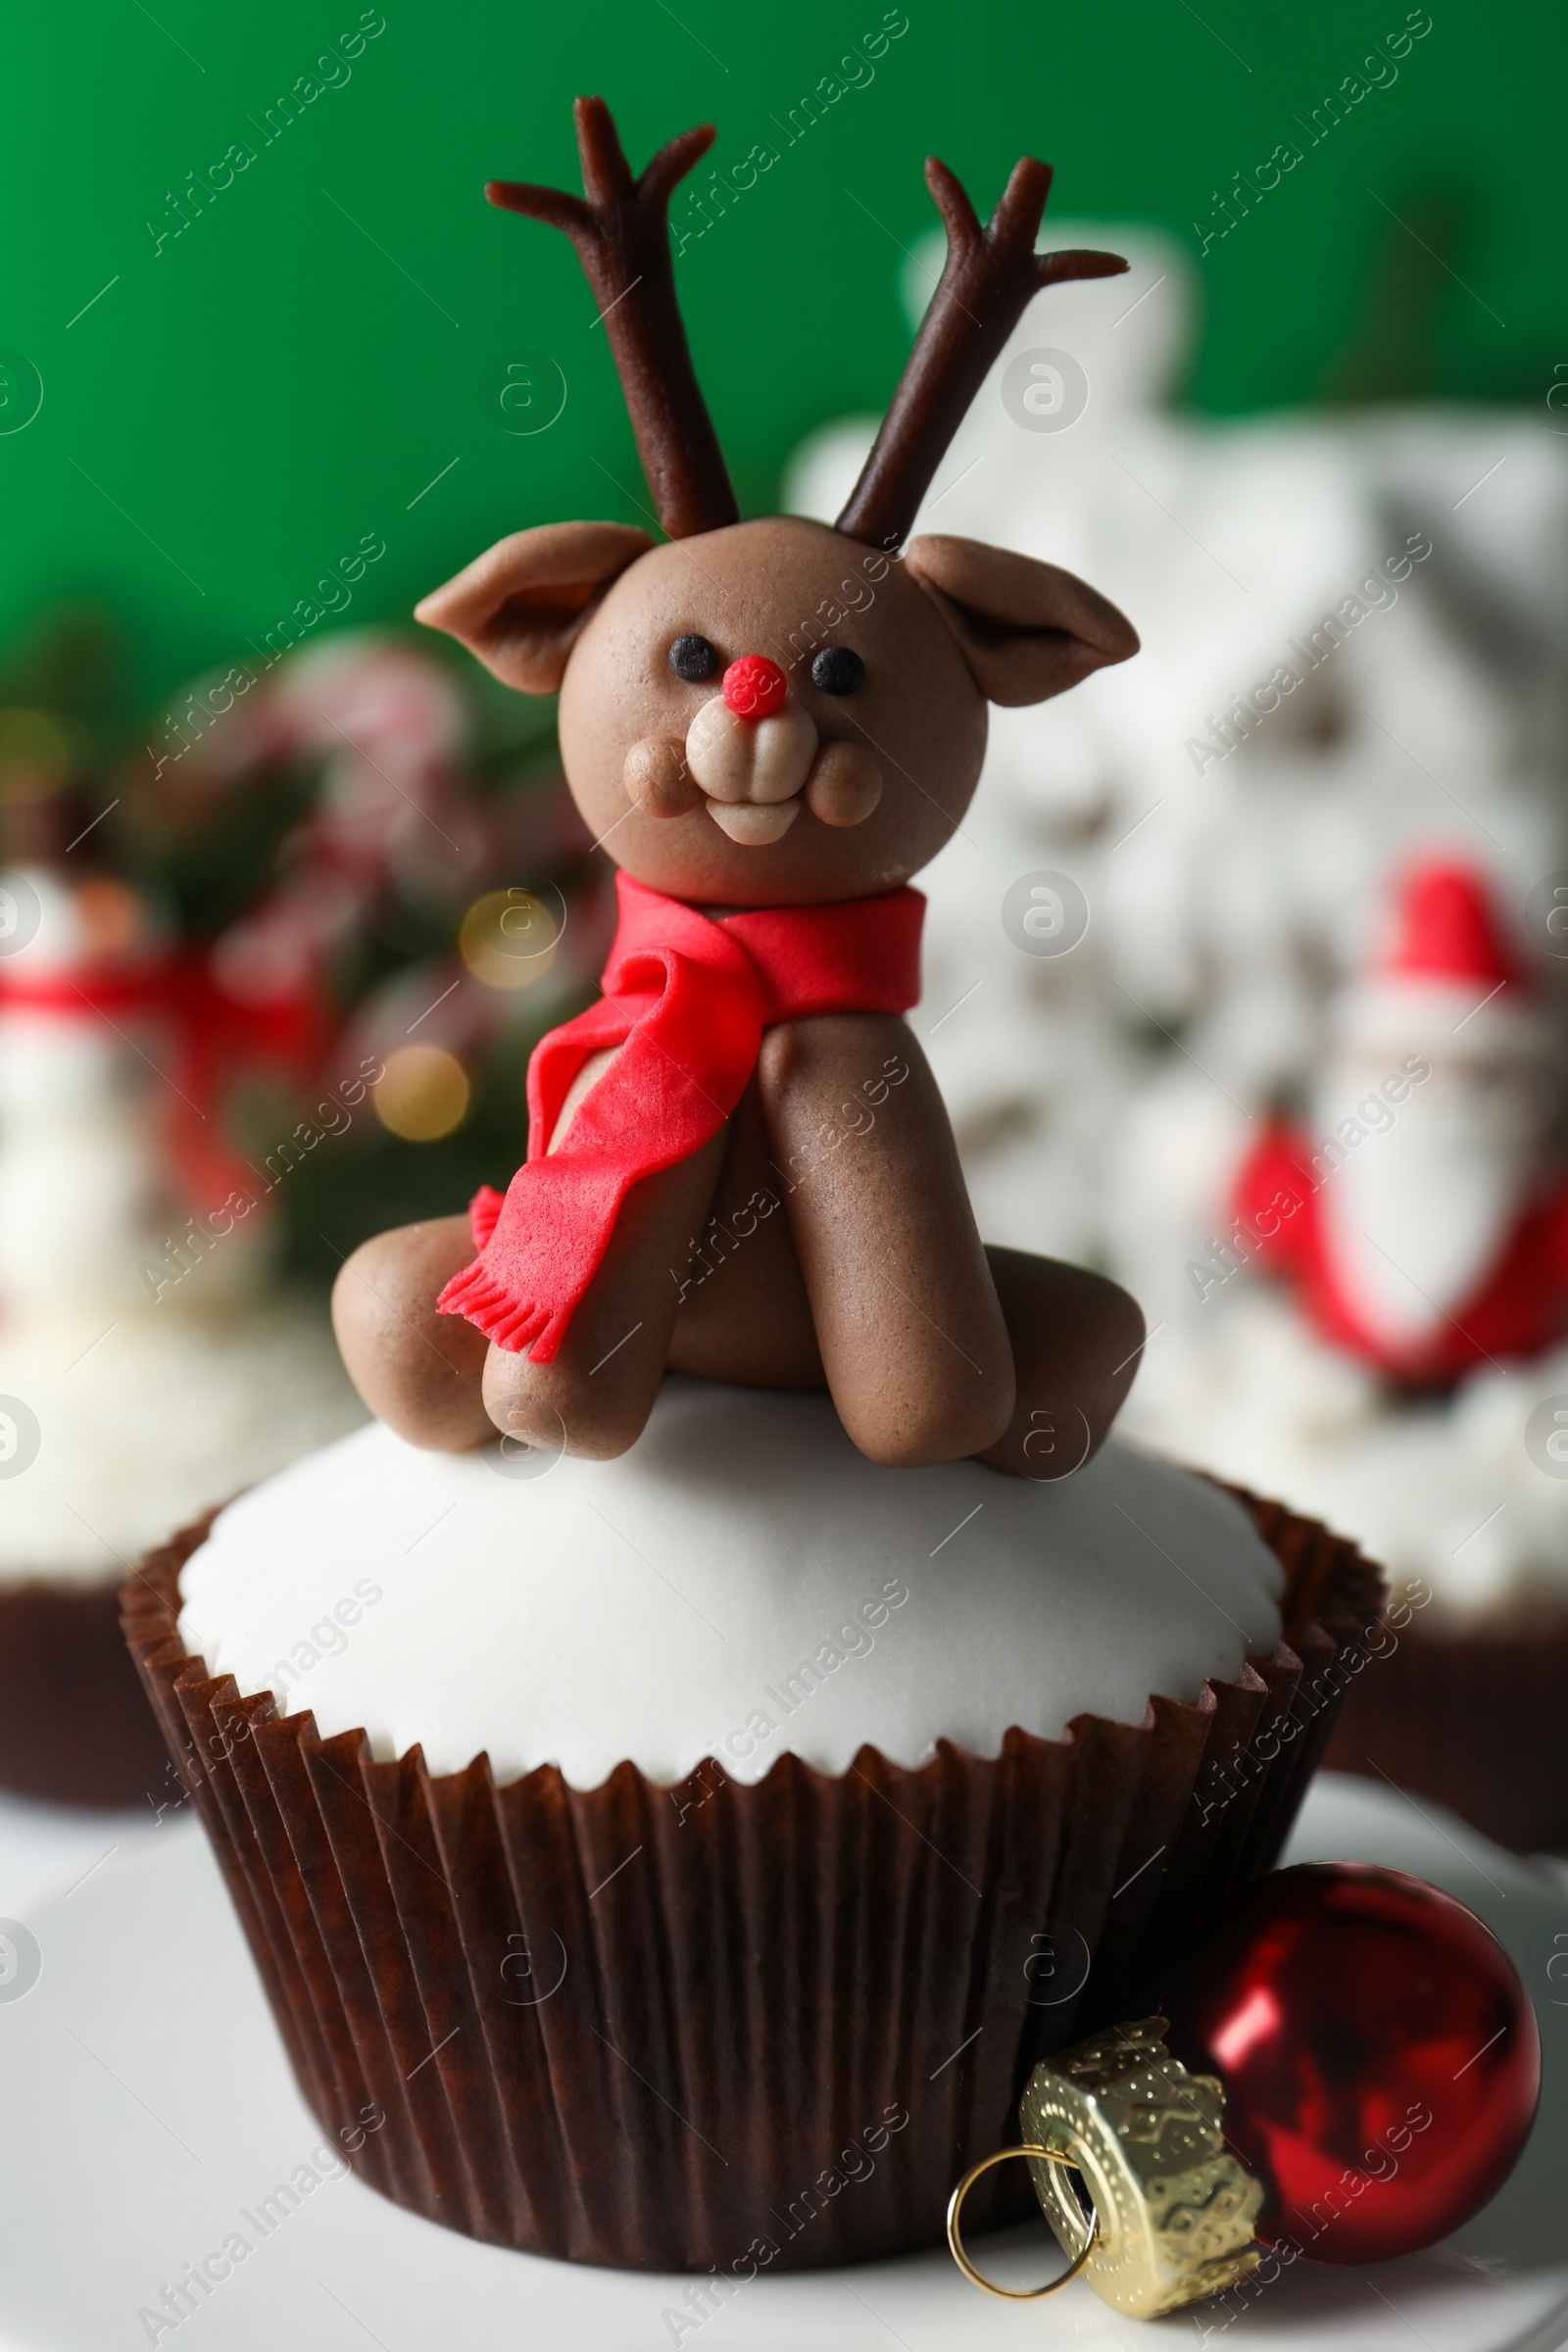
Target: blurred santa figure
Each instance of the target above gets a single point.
(1419, 1219)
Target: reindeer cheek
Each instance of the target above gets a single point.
(846, 785)
(656, 780)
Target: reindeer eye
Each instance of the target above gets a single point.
(693, 659)
(838, 670)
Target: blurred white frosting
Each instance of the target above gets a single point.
(147, 1418)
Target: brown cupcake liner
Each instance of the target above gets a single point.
(74, 1725)
(724, 2026)
(1473, 1717)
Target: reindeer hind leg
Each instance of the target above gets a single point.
(1077, 1342)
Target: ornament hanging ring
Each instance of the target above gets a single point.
(1014, 2294)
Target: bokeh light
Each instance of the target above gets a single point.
(423, 1094)
(508, 938)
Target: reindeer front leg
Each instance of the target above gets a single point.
(912, 1338)
(597, 1392)
(436, 1381)
(419, 1371)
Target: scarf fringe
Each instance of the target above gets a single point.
(513, 1324)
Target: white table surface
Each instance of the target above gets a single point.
(144, 2100)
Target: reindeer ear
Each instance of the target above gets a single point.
(1026, 630)
(520, 605)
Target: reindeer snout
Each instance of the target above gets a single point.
(751, 748)
(753, 754)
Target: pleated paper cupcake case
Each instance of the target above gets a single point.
(1472, 1716)
(752, 2026)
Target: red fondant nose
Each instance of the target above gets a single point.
(754, 687)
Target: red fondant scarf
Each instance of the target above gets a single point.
(688, 999)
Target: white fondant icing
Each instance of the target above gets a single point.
(741, 1583)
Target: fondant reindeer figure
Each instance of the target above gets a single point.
(770, 725)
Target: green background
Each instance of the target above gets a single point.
(233, 414)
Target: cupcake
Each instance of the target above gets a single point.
(1401, 1369)
(135, 1428)
(681, 1861)
(1465, 1701)
(674, 1850)
(143, 1377)
(1462, 1499)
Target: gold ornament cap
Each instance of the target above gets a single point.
(1175, 2209)
(1170, 2210)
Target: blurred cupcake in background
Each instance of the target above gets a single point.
(148, 1367)
(1469, 1707)
(248, 946)
(1404, 1374)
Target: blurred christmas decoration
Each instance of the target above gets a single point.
(1445, 1246)
(249, 974)
(1328, 795)
(316, 862)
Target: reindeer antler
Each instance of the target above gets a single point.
(622, 242)
(990, 276)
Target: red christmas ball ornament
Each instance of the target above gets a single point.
(754, 687)
(1380, 2057)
